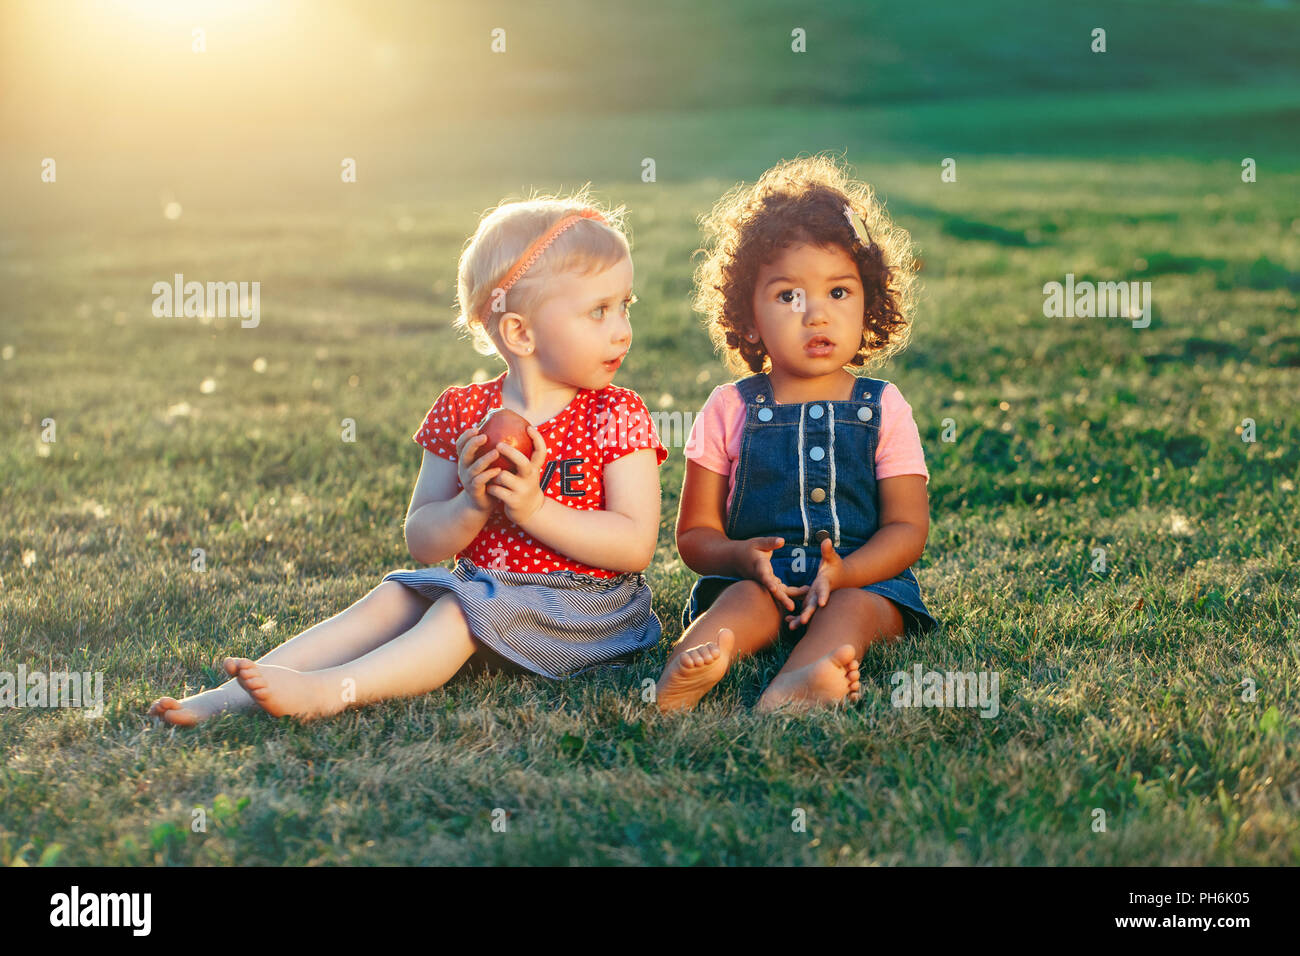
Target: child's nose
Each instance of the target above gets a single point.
(815, 314)
(623, 331)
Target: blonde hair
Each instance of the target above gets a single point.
(502, 236)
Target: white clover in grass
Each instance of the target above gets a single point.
(208, 386)
(7, 353)
(29, 558)
(259, 365)
(92, 507)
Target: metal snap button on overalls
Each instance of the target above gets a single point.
(765, 414)
(864, 414)
(816, 411)
(818, 495)
(821, 535)
(816, 453)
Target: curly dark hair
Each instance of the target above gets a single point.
(802, 201)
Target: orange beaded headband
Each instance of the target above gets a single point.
(540, 245)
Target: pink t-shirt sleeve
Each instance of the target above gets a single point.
(714, 441)
(898, 450)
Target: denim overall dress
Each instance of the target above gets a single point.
(807, 472)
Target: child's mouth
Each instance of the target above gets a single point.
(613, 364)
(819, 345)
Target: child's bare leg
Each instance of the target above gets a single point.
(744, 619)
(388, 610)
(416, 662)
(823, 667)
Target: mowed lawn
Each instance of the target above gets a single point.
(1123, 691)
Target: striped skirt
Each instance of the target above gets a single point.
(556, 624)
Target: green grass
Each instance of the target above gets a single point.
(1120, 691)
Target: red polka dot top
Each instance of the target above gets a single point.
(595, 428)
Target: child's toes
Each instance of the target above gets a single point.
(163, 704)
(843, 656)
(236, 666)
(251, 679)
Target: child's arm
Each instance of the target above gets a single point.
(703, 543)
(441, 521)
(899, 540)
(897, 544)
(621, 537)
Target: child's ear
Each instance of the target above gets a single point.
(516, 334)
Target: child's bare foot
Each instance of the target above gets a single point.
(282, 691)
(229, 698)
(827, 680)
(197, 708)
(691, 675)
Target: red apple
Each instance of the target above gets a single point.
(503, 425)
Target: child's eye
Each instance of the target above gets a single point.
(786, 296)
(599, 311)
(840, 288)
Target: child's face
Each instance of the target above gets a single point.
(582, 327)
(827, 333)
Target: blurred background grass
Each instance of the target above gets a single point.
(1119, 691)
